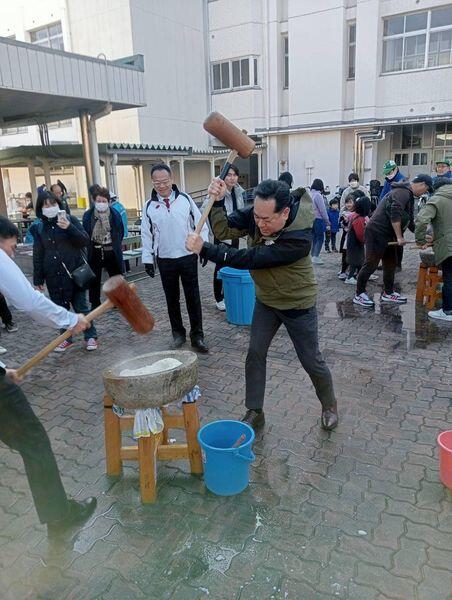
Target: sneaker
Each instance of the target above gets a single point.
(11, 327)
(342, 276)
(317, 261)
(327, 250)
(78, 513)
(440, 314)
(91, 344)
(395, 298)
(253, 418)
(335, 250)
(3, 350)
(363, 300)
(373, 277)
(63, 346)
(221, 305)
(350, 281)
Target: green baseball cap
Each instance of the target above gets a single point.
(444, 161)
(389, 166)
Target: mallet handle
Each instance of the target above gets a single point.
(224, 171)
(34, 360)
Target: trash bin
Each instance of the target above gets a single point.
(239, 295)
(445, 458)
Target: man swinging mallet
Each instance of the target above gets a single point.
(279, 260)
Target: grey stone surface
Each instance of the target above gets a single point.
(358, 513)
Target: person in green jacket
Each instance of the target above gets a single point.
(438, 212)
(279, 230)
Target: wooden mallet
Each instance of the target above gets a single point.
(120, 295)
(232, 137)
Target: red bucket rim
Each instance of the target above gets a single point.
(441, 443)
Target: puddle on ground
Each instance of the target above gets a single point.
(409, 320)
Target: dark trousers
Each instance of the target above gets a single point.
(217, 283)
(399, 250)
(446, 267)
(5, 313)
(21, 430)
(377, 249)
(330, 236)
(184, 269)
(318, 235)
(302, 328)
(101, 259)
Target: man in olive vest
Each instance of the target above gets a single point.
(279, 230)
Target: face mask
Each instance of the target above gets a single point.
(101, 206)
(391, 175)
(50, 211)
(354, 184)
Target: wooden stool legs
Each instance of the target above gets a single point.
(191, 419)
(152, 448)
(421, 277)
(112, 438)
(428, 281)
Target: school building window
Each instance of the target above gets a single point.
(286, 62)
(351, 50)
(234, 74)
(50, 36)
(417, 41)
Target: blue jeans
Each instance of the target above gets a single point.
(80, 305)
(318, 235)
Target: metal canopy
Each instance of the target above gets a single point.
(40, 85)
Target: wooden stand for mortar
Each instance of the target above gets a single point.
(152, 448)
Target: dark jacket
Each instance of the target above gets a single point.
(388, 182)
(52, 247)
(117, 233)
(281, 265)
(396, 207)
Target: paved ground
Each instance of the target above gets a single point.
(358, 513)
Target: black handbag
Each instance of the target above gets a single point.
(82, 275)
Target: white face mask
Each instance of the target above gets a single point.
(50, 211)
(354, 184)
(101, 206)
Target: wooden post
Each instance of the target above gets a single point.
(165, 428)
(421, 277)
(191, 419)
(112, 438)
(147, 460)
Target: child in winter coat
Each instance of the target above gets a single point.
(355, 236)
(333, 215)
(344, 216)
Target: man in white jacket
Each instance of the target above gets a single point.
(168, 217)
(20, 429)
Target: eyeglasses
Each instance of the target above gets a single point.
(160, 183)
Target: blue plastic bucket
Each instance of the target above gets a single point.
(239, 295)
(226, 469)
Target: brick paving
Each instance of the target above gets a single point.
(358, 513)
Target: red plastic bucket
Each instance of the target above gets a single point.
(445, 458)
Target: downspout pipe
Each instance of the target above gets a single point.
(361, 137)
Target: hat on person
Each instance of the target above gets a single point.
(444, 161)
(389, 166)
(424, 179)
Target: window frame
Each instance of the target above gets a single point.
(351, 45)
(285, 53)
(253, 74)
(427, 31)
(46, 41)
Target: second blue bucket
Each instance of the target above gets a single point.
(226, 469)
(239, 295)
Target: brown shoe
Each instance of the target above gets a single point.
(254, 419)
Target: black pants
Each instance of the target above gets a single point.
(399, 250)
(446, 267)
(302, 328)
(184, 269)
(217, 283)
(5, 313)
(101, 259)
(21, 430)
(330, 236)
(377, 249)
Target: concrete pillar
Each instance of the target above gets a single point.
(107, 167)
(32, 178)
(259, 167)
(3, 207)
(94, 151)
(46, 169)
(182, 173)
(113, 174)
(87, 158)
(212, 168)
